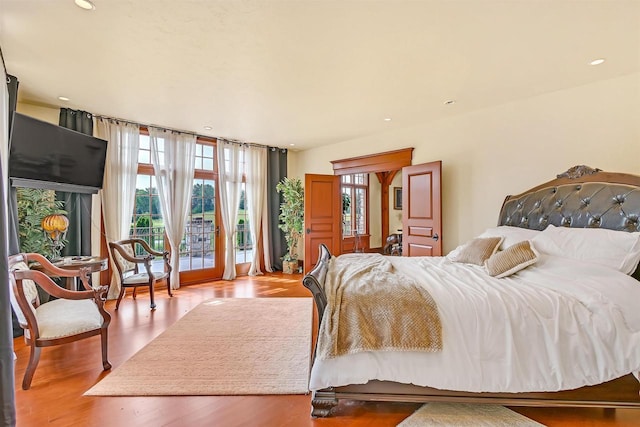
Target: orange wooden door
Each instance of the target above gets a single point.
(422, 210)
(322, 216)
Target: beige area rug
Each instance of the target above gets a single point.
(463, 415)
(224, 346)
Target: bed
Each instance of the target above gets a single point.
(559, 330)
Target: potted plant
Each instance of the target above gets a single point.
(291, 220)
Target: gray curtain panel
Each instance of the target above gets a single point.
(13, 238)
(78, 206)
(7, 374)
(276, 170)
(11, 216)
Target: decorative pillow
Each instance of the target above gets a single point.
(513, 259)
(619, 250)
(476, 251)
(512, 235)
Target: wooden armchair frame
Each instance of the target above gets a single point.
(137, 277)
(42, 278)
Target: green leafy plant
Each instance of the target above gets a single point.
(291, 214)
(346, 203)
(33, 205)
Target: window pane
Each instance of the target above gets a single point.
(243, 243)
(147, 221)
(346, 215)
(197, 250)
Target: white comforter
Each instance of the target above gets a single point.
(559, 324)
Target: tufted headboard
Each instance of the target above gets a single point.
(581, 197)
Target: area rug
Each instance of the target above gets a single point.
(224, 346)
(463, 414)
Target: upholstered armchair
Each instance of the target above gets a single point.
(72, 316)
(133, 259)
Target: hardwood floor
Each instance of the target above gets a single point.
(66, 372)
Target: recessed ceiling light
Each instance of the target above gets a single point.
(292, 145)
(450, 102)
(85, 4)
(597, 61)
(63, 98)
(208, 128)
(387, 119)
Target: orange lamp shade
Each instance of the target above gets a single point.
(55, 225)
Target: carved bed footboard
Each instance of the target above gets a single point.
(314, 280)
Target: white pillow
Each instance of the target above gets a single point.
(619, 250)
(512, 235)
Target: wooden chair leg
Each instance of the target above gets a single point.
(153, 304)
(103, 340)
(135, 289)
(120, 295)
(34, 358)
(169, 286)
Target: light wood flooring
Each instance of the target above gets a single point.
(66, 372)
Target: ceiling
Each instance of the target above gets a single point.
(308, 72)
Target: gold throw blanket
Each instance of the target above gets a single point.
(371, 306)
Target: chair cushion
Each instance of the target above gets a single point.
(62, 317)
(142, 278)
(30, 291)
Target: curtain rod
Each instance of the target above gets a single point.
(145, 125)
(233, 141)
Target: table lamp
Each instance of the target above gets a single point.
(55, 226)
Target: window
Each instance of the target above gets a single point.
(197, 250)
(199, 245)
(242, 233)
(355, 191)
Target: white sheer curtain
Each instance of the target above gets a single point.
(230, 179)
(119, 188)
(256, 182)
(173, 159)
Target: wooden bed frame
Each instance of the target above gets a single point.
(579, 197)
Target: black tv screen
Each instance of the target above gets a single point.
(43, 155)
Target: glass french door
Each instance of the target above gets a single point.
(201, 256)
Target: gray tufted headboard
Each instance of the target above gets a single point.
(590, 198)
(581, 197)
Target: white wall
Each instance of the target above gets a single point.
(490, 153)
(47, 114)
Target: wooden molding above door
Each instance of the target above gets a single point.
(372, 163)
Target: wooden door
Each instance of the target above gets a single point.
(322, 216)
(422, 210)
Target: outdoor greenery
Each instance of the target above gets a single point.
(202, 198)
(346, 203)
(33, 205)
(149, 225)
(291, 214)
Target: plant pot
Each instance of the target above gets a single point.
(290, 267)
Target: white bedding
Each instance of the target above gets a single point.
(559, 324)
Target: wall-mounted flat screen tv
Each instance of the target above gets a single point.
(43, 155)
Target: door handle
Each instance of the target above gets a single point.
(435, 237)
(308, 231)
